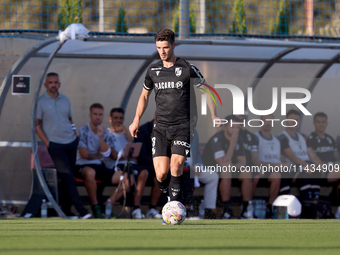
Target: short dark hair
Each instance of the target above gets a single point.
(292, 111)
(165, 34)
(320, 114)
(117, 109)
(51, 74)
(231, 117)
(96, 105)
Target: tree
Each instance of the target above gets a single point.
(121, 25)
(239, 14)
(70, 11)
(192, 22)
(282, 20)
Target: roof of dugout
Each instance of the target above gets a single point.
(111, 71)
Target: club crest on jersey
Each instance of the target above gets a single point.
(179, 84)
(178, 71)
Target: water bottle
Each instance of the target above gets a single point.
(263, 210)
(43, 211)
(201, 209)
(256, 206)
(108, 209)
(250, 210)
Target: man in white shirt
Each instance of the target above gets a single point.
(269, 154)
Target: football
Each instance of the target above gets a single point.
(174, 212)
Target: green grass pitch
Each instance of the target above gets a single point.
(123, 236)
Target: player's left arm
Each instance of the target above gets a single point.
(210, 103)
(313, 157)
(200, 82)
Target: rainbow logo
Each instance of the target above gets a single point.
(211, 95)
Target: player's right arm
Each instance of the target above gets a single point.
(141, 107)
(40, 132)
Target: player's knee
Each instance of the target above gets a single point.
(89, 173)
(143, 175)
(161, 176)
(275, 179)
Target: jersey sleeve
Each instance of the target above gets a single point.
(333, 143)
(217, 146)
(109, 138)
(283, 141)
(311, 142)
(82, 137)
(196, 76)
(148, 83)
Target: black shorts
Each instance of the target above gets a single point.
(136, 169)
(168, 140)
(102, 173)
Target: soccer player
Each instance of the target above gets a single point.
(249, 142)
(269, 154)
(294, 149)
(225, 149)
(173, 80)
(325, 148)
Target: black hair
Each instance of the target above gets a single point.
(117, 109)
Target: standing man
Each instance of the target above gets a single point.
(173, 80)
(55, 128)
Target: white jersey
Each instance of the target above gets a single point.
(299, 147)
(118, 142)
(90, 141)
(269, 149)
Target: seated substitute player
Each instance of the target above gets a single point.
(145, 160)
(250, 148)
(294, 149)
(269, 154)
(249, 142)
(93, 147)
(173, 80)
(119, 137)
(325, 148)
(225, 149)
(209, 179)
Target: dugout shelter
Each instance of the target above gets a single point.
(111, 71)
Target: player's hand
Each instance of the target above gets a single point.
(123, 129)
(100, 131)
(234, 136)
(133, 128)
(216, 120)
